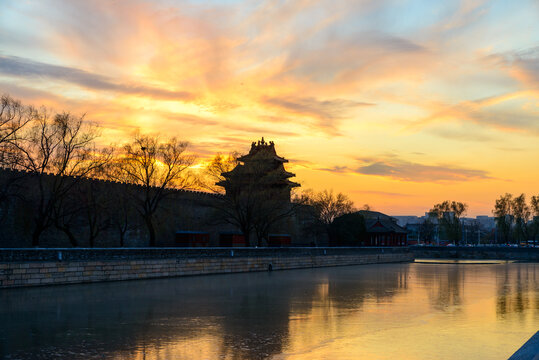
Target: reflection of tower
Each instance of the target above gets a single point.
(261, 169)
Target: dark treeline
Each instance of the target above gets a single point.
(55, 178)
(516, 221)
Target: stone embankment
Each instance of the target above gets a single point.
(476, 252)
(33, 267)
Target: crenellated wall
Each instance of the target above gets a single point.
(33, 267)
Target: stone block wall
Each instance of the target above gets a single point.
(33, 273)
(476, 252)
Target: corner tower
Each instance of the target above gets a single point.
(261, 170)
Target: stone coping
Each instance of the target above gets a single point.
(78, 254)
(476, 252)
(476, 248)
(38, 273)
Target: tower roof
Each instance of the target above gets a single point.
(263, 149)
(261, 163)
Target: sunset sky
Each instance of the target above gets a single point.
(399, 104)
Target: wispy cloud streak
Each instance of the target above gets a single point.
(25, 68)
(404, 170)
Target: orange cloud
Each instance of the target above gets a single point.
(328, 81)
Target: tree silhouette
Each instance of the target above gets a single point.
(448, 214)
(121, 212)
(522, 214)
(257, 191)
(58, 151)
(328, 205)
(13, 117)
(325, 206)
(158, 167)
(503, 213)
(348, 229)
(97, 208)
(251, 203)
(534, 226)
(212, 173)
(427, 230)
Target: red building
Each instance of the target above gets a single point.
(192, 239)
(367, 228)
(232, 239)
(383, 232)
(279, 240)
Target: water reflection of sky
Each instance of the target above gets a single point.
(404, 311)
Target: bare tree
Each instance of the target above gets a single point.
(251, 208)
(448, 214)
(13, 117)
(241, 205)
(270, 211)
(121, 211)
(534, 226)
(237, 208)
(328, 205)
(503, 213)
(57, 151)
(427, 230)
(97, 207)
(66, 215)
(212, 172)
(257, 194)
(522, 214)
(158, 167)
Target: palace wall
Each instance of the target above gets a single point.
(183, 210)
(34, 267)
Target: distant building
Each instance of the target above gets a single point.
(474, 230)
(407, 219)
(382, 230)
(486, 222)
(368, 228)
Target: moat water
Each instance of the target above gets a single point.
(390, 311)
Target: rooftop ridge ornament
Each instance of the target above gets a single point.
(255, 145)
